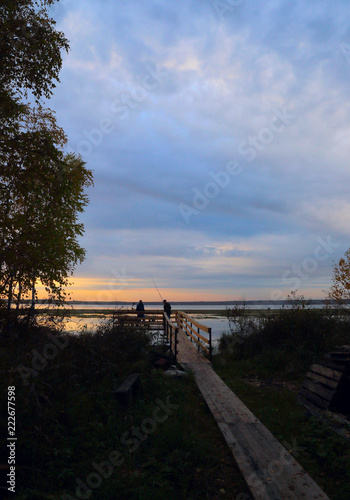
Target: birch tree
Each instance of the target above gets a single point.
(340, 289)
(42, 188)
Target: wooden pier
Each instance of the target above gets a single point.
(152, 319)
(270, 471)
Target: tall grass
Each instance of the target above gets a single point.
(68, 418)
(286, 341)
(264, 362)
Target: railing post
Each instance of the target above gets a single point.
(198, 329)
(176, 331)
(210, 346)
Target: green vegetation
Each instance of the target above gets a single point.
(265, 361)
(340, 289)
(70, 428)
(41, 186)
(69, 422)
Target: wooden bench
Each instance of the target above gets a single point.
(128, 390)
(327, 384)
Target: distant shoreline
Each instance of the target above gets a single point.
(198, 303)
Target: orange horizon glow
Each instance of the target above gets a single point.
(95, 290)
(145, 294)
(131, 290)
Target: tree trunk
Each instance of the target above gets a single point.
(10, 294)
(33, 294)
(19, 297)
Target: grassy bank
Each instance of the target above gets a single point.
(75, 439)
(266, 368)
(107, 312)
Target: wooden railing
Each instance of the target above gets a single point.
(196, 331)
(171, 331)
(152, 318)
(156, 319)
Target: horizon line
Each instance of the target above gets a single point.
(206, 302)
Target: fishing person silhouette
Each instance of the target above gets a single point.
(140, 308)
(167, 307)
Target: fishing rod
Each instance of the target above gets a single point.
(157, 288)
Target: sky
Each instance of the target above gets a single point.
(218, 135)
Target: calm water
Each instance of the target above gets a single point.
(187, 306)
(218, 324)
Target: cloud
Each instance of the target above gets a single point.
(220, 84)
(331, 214)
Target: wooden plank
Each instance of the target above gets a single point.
(269, 469)
(340, 354)
(333, 365)
(196, 323)
(141, 319)
(316, 411)
(343, 348)
(121, 312)
(188, 352)
(170, 323)
(314, 398)
(326, 371)
(198, 343)
(188, 327)
(128, 389)
(333, 384)
(128, 382)
(319, 389)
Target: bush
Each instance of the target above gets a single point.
(292, 337)
(68, 399)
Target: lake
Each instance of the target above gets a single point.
(204, 312)
(87, 320)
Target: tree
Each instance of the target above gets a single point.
(30, 48)
(30, 60)
(41, 187)
(39, 206)
(340, 289)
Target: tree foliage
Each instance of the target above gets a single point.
(30, 47)
(340, 290)
(41, 186)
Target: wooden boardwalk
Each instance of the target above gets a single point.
(270, 471)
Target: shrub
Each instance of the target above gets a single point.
(293, 337)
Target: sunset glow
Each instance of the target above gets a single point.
(219, 146)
